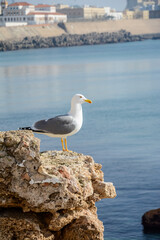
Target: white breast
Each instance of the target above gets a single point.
(77, 114)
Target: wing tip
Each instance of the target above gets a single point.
(25, 128)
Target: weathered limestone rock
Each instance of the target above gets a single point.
(14, 224)
(151, 220)
(86, 227)
(50, 195)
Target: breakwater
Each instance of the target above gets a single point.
(78, 33)
(66, 40)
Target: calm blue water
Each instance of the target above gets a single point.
(121, 128)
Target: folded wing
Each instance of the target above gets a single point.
(62, 124)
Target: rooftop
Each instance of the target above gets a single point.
(45, 13)
(43, 5)
(20, 4)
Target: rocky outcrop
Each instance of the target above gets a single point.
(49, 195)
(66, 40)
(151, 221)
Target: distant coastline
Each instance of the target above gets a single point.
(77, 34)
(74, 40)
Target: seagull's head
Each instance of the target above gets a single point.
(79, 98)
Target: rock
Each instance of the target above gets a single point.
(86, 227)
(151, 221)
(14, 224)
(66, 40)
(49, 195)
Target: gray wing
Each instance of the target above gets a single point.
(62, 124)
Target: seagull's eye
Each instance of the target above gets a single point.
(80, 96)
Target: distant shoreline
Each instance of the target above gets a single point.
(77, 34)
(68, 40)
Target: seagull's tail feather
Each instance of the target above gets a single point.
(31, 129)
(25, 128)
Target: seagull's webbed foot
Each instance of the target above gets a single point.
(66, 150)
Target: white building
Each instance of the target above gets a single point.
(45, 18)
(112, 14)
(45, 8)
(116, 15)
(23, 13)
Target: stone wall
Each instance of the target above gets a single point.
(135, 27)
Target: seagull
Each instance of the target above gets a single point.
(65, 125)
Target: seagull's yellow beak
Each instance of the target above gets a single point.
(87, 100)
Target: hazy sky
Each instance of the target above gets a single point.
(117, 4)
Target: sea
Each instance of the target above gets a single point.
(121, 128)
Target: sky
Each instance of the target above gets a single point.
(119, 5)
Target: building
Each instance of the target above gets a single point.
(128, 14)
(34, 18)
(72, 13)
(45, 8)
(83, 13)
(137, 14)
(4, 5)
(93, 12)
(143, 4)
(131, 4)
(60, 6)
(144, 9)
(141, 14)
(145, 14)
(23, 13)
(154, 14)
(112, 14)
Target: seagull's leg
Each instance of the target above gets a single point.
(65, 140)
(62, 144)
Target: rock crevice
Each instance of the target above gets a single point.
(48, 195)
